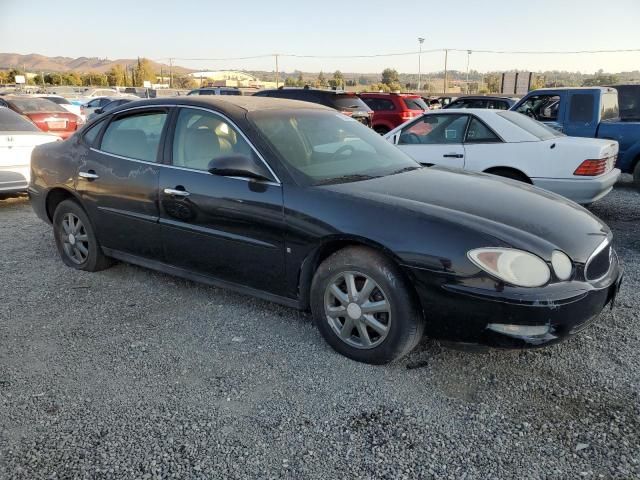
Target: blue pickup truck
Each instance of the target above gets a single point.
(587, 112)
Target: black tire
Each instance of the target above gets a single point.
(512, 174)
(94, 260)
(404, 320)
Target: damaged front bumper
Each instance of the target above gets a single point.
(511, 317)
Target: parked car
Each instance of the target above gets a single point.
(110, 106)
(18, 137)
(482, 101)
(215, 91)
(514, 146)
(294, 203)
(64, 103)
(88, 94)
(45, 114)
(99, 102)
(392, 109)
(347, 103)
(587, 112)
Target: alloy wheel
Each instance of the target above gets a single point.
(357, 310)
(74, 238)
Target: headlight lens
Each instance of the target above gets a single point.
(513, 266)
(562, 265)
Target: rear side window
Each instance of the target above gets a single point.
(229, 92)
(497, 105)
(379, 104)
(415, 103)
(478, 132)
(581, 108)
(10, 121)
(135, 136)
(610, 106)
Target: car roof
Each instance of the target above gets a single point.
(315, 90)
(484, 97)
(234, 103)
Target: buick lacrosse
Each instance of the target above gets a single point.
(302, 205)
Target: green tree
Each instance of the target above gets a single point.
(337, 80)
(390, 77)
(493, 82)
(144, 71)
(116, 76)
(4, 77)
(184, 81)
(300, 80)
(290, 82)
(600, 79)
(321, 81)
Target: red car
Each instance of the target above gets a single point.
(393, 109)
(45, 114)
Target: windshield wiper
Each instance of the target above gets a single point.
(406, 169)
(345, 178)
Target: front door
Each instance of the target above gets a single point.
(228, 228)
(435, 139)
(118, 181)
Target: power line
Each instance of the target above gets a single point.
(400, 54)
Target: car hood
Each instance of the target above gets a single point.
(513, 213)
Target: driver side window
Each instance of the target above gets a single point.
(202, 136)
(543, 108)
(435, 129)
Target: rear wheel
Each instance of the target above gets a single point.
(76, 241)
(363, 307)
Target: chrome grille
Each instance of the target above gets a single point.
(600, 261)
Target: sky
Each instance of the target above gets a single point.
(205, 30)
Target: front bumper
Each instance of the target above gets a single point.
(580, 190)
(457, 312)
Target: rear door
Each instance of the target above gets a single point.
(436, 139)
(228, 228)
(118, 180)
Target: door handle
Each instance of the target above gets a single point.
(176, 193)
(453, 155)
(90, 175)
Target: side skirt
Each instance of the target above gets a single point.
(200, 278)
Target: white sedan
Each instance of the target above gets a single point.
(511, 145)
(18, 138)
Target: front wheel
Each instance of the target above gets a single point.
(76, 241)
(364, 308)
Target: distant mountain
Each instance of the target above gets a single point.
(40, 63)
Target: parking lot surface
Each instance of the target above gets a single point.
(129, 373)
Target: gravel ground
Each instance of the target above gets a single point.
(129, 373)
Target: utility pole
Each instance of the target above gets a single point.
(446, 55)
(420, 42)
(277, 72)
(468, 57)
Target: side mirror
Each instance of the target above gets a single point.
(236, 165)
(97, 111)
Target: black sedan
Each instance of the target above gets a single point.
(299, 204)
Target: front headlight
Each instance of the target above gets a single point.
(512, 266)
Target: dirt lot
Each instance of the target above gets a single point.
(128, 373)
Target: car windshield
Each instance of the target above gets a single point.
(415, 103)
(321, 147)
(34, 104)
(535, 128)
(11, 121)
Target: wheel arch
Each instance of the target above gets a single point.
(57, 195)
(328, 247)
(516, 171)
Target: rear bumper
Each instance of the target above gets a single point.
(14, 179)
(580, 190)
(461, 313)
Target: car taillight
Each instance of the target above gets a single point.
(348, 113)
(592, 168)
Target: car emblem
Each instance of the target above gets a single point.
(9, 139)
